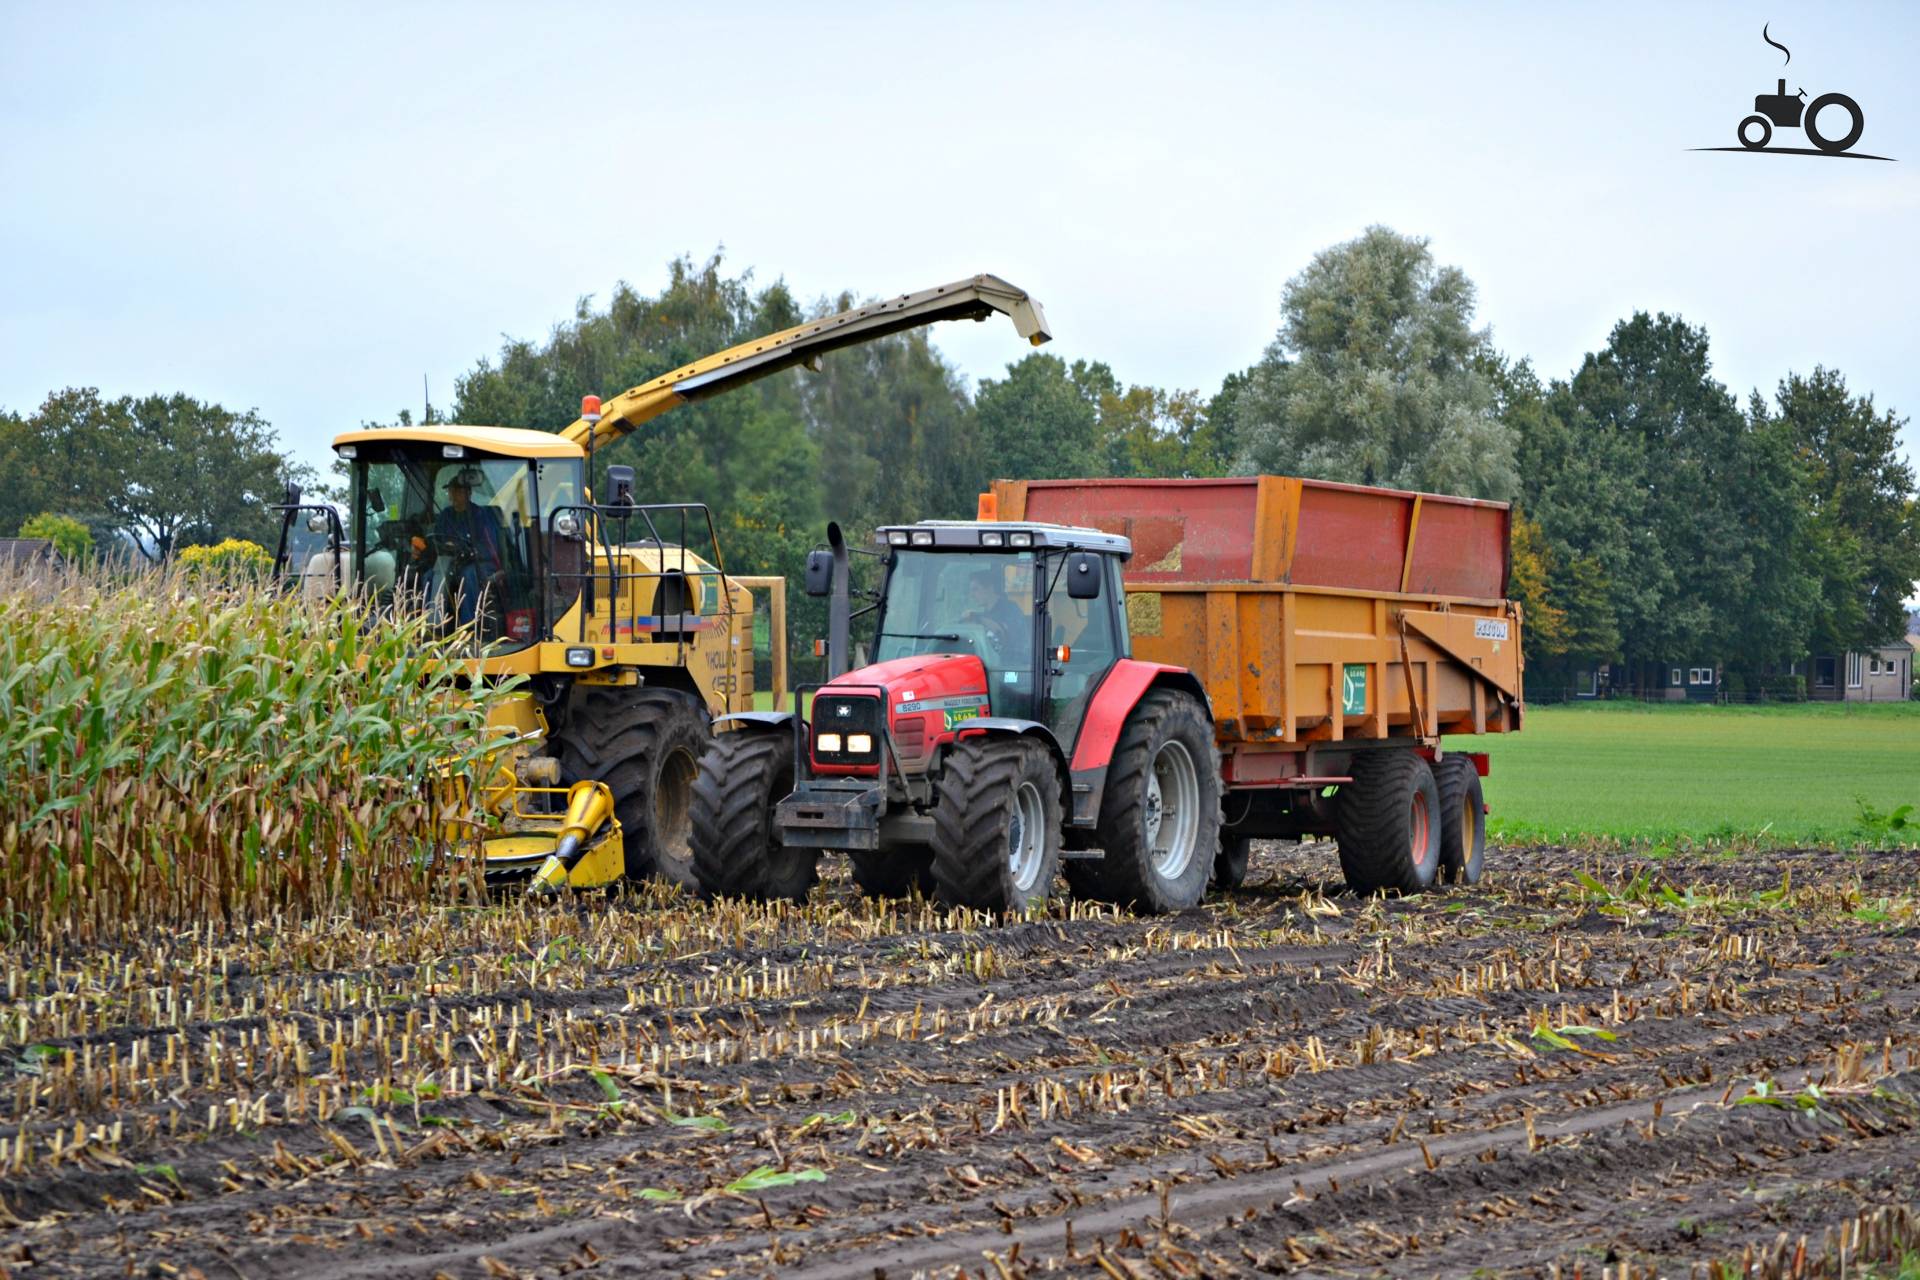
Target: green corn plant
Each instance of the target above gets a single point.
(180, 748)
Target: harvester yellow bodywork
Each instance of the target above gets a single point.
(627, 642)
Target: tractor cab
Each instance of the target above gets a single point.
(1038, 605)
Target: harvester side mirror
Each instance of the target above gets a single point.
(1083, 576)
(620, 480)
(819, 573)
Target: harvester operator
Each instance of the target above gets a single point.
(472, 536)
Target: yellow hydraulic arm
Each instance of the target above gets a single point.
(973, 299)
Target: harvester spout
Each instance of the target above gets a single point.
(589, 805)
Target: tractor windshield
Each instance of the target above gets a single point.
(965, 602)
(455, 538)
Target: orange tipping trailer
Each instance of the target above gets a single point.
(1323, 620)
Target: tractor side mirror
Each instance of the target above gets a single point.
(620, 480)
(819, 573)
(1083, 576)
(376, 502)
(293, 494)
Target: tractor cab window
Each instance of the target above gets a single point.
(450, 537)
(966, 602)
(1085, 630)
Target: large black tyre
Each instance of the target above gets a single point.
(893, 873)
(1463, 820)
(1230, 864)
(1389, 823)
(1856, 122)
(645, 744)
(1159, 822)
(996, 818)
(736, 850)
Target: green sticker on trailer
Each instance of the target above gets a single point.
(1353, 689)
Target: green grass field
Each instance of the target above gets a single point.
(1663, 773)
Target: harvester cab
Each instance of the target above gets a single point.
(1002, 725)
(618, 615)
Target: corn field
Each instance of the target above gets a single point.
(197, 748)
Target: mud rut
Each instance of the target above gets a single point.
(1533, 1074)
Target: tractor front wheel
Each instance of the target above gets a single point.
(996, 821)
(1389, 823)
(736, 850)
(645, 744)
(1159, 824)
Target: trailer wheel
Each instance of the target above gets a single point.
(736, 851)
(996, 819)
(893, 873)
(1160, 815)
(1463, 820)
(645, 744)
(1230, 864)
(1389, 823)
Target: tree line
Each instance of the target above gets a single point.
(1658, 519)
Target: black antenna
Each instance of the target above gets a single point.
(426, 403)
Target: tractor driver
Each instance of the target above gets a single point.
(989, 606)
(475, 532)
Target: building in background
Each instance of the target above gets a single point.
(1883, 674)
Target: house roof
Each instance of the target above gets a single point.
(26, 550)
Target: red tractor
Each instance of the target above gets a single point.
(1004, 733)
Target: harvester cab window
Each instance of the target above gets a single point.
(448, 537)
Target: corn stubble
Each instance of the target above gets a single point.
(184, 748)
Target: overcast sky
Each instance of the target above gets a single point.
(304, 209)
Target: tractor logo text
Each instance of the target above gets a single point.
(1832, 122)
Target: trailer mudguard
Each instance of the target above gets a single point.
(1125, 683)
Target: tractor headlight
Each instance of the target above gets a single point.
(348, 451)
(453, 451)
(859, 743)
(992, 539)
(579, 657)
(1019, 539)
(567, 524)
(828, 743)
(897, 538)
(923, 537)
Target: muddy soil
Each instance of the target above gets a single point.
(1583, 1061)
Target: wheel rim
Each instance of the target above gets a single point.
(1466, 830)
(1421, 824)
(1173, 809)
(1026, 834)
(673, 806)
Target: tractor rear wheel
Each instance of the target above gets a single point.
(1160, 815)
(1389, 823)
(736, 850)
(1463, 820)
(893, 873)
(645, 744)
(996, 820)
